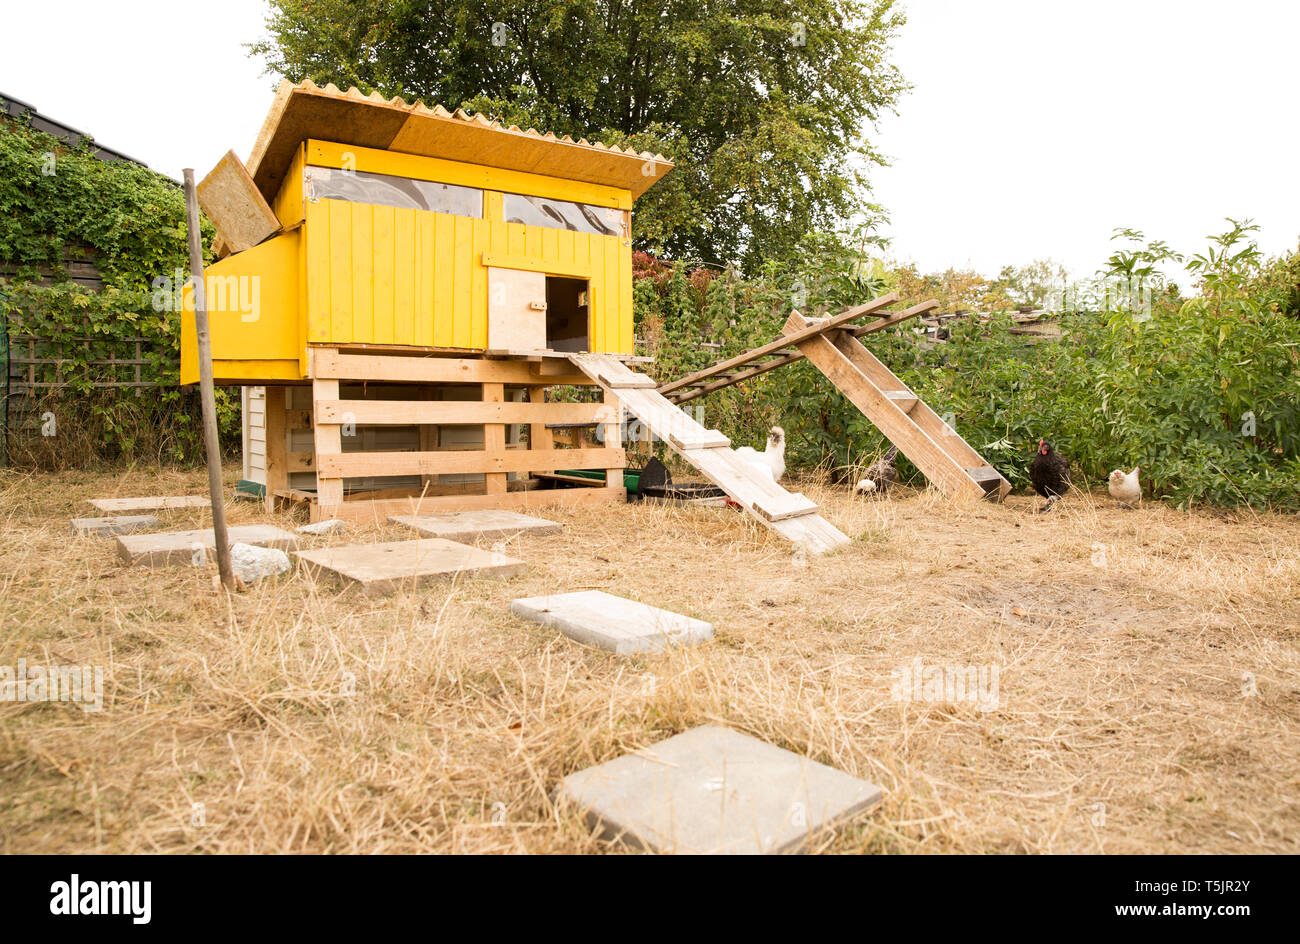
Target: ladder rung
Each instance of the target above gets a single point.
(984, 473)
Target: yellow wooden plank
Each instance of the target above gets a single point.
(376, 161)
(478, 300)
(340, 269)
(406, 277)
(444, 266)
(384, 270)
(464, 274)
(428, 262)
(551, 266)
(363, 268)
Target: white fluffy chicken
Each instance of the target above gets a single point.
(772, 460)
(1125, 488)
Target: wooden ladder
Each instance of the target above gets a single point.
(785, 350)
(934, 447)
(791, 515)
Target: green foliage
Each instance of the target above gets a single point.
(1204, 394)
(59, 203)
(761, 104)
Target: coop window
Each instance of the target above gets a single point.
(355, 186)
(563, 214)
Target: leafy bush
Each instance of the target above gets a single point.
(1202, 393)
(59, 203)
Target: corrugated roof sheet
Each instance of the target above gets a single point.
(306, 110)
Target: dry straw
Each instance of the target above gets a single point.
(1147, 694)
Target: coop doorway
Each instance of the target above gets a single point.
(568, 314)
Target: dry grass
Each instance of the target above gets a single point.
(1120, 684)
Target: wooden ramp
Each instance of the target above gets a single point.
(933, 446)
(792, 516)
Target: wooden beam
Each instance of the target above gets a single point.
(452, 412)
(329, 363)
(462, 462)
(377, 511)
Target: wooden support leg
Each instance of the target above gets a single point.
(494, 438)
(277, 470)
(539, 437)
(610, 433)
(329, 442)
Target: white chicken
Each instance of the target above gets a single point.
(1125, 488)
(772, 460)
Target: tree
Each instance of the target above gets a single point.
(762, 104)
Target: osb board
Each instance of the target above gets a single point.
(304, 111)
(236, 207)
(385, 568)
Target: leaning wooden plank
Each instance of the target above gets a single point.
(235, 205)
(774, 346)
(691, 387)
(791, 516)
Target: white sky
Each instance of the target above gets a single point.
(1034, 128)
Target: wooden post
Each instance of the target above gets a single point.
(206, 388)
(494, 438)
(277, 469)
(329, 442)
(612, 435)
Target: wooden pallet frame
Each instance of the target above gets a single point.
(328, 366)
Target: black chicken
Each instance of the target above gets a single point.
(1050, 474)
(880, 475)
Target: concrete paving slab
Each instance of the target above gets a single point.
(385, 568)
(471, 526)
(119, 524)
(622, 626)
(182, 547)
(151, 503)
(714, 790)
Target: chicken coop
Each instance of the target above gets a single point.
(398, 289)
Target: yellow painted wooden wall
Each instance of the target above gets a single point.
(385, 275)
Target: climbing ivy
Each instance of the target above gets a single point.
(61, 203)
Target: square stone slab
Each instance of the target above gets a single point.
(714, 790)
(177, 547)
(622, 626)
(470, 526)
(151, 503)
(122, 524)
(384, 568)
